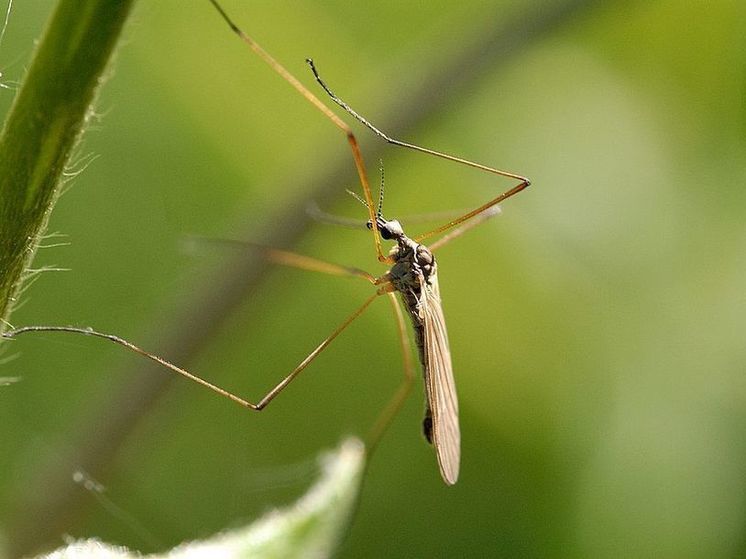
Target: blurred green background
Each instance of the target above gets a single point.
(597, 326)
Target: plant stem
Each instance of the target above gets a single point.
(44, 125)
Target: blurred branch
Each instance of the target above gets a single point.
(55, 505)
(44, 125)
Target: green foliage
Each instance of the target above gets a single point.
(313, 527)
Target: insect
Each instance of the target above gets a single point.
(412, 275)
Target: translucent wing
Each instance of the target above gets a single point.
(441, 390)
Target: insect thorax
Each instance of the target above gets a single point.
(414, 264)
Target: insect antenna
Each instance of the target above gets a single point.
(379, 211)
(357, 197)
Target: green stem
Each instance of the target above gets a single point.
(44, 125)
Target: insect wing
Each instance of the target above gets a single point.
(440, 386)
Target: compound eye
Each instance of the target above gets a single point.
(369, 224)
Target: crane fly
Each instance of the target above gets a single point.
(414, 277)
(412, 274)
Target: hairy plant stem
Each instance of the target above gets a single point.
(44, 125)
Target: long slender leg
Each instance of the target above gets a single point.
(291, 259)
(338, 122)
(523, 181)
(400, 396)
(492, 203)
(407, 145)
(245, 403)
(479, 219)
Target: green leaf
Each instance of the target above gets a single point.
(312, 527)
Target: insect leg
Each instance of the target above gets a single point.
(523, 181)
(481, 209)
(311, 98)
(191, 376)
(400, 396)
(311, 356)
(290, 259)
(464, 227)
